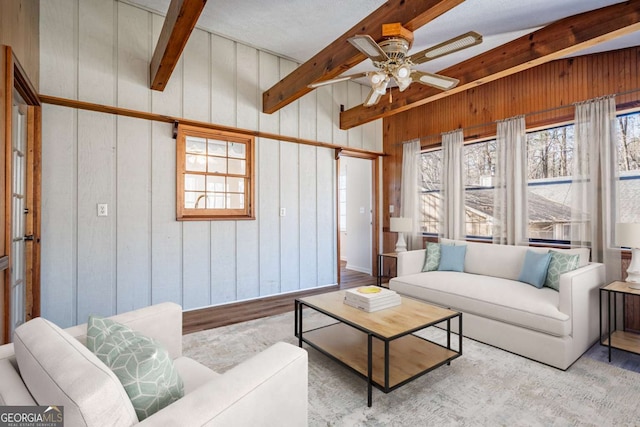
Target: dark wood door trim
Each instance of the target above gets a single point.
(16, 78)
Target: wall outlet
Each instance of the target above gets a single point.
(391, 208)
(103, 209)
(283, 211)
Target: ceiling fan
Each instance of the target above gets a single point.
(390, 57)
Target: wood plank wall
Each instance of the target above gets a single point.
(98, 51)
(555, 84)
(19, 28)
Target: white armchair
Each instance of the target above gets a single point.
(270, 389)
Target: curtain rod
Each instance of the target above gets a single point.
(533, 113)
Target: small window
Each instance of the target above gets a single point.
(215, 174)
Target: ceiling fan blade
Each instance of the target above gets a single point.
(336, 80)
(367, 45)
(372, 98)
(434, 80)
(453, 45)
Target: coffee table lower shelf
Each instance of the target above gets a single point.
(409, 356)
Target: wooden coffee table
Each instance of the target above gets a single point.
(380, 346)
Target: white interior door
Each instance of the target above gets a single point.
(18, 184)
(359, 214)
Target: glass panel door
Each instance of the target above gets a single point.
(18, 184)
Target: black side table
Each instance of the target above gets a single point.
(381, 258)
(614, 338)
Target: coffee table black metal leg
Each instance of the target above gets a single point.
(609, 322)
(299, 322)
(449, 338)
(369, 368)
(460, 333)
(386, 366)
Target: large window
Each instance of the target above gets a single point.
(479, 170)
(549, 164)
(214, 174)
(549, 168)
(628, 136)
(430, 197)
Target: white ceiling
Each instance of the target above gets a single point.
(298, 29)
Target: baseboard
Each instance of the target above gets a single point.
(241, 311)
(358, 269)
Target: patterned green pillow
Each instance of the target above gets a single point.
(143, 366)
(431, 257)
(560, 263)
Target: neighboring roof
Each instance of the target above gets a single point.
(551, 203)
(541, 209)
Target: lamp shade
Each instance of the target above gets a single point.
(400, 225)
(628, 234)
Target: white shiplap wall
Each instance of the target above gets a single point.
(98, 51)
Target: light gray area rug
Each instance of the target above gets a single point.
(484, 387)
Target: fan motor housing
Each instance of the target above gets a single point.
(395, 48)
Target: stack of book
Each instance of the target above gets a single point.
(371, 298)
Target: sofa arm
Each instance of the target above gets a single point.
(579, 299)
(270, 389)
(577, 283)
(410, 262)
(162, 322)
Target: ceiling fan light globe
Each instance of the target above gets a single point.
(403, 71)
(381, 87)
(376, 78)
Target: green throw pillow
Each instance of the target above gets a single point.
(143, 366)
(560, 263)
(432, 257)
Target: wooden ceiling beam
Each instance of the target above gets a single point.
(180, 21)
(554, 41)
(340, 55)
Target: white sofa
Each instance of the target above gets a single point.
(269, 389)
(552, 327)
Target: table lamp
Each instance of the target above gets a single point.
(628, 235)
(401, 225)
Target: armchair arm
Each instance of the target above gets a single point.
(410, 262)
(270, 389)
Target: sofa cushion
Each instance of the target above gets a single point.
(534, 268)
(57, 369)
(505, 260)
(142, 365)
(432, 257)
(500, 299)
(452, 258)
(560, 263)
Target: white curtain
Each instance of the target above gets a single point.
(452, 210)
(594, 198)
(409, 195)
(511, 219)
